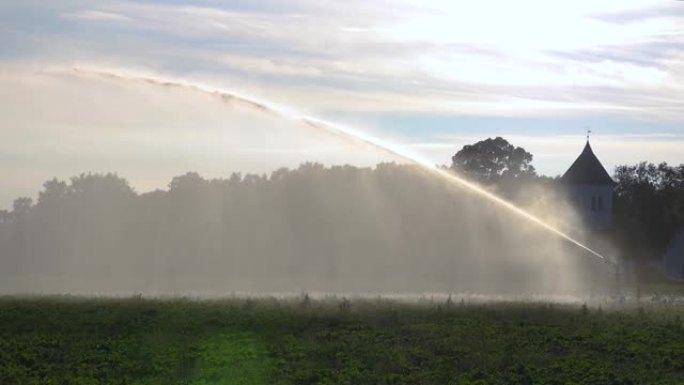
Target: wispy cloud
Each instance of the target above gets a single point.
(93, 15)
(570, 62)
(614, 60)
(571, 58)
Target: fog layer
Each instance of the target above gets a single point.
(60, 123)
(341, 229)
(391, 229)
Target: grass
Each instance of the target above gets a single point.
(139, 341)
(232, 358)
(662, 290)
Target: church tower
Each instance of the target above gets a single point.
(590, 188)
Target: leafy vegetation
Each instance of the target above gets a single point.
(649, 198)
(649, 207)
(492, 160)
(137, 341)
(332, 229)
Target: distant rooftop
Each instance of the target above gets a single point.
(587, 169)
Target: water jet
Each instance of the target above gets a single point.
(345, 131)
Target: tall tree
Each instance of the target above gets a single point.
(649, 207)
(491, 160)
(21, 206)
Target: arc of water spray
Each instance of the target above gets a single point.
(338, 129)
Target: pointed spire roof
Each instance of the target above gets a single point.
(587, 169)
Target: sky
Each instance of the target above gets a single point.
(430, 76)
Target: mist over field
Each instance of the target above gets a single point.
(388, 229)
(335, 221)
(60, 122)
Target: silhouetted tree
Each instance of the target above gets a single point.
(490, 160)
(5, 216)
(21, 206)
(649, 207)
(326, 227)
(54, 190)
(188, 181)
(103, 185)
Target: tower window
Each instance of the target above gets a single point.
(599, 203)
(593, 203)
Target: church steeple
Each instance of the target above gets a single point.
(590, 188)
(587, 169)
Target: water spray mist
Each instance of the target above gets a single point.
(339, 130)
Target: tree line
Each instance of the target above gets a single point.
(388, 228)
(648, 198)
(331, 227)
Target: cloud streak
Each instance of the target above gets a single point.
(93, 15)
(526, 59)
(608, 61)
(390, 56)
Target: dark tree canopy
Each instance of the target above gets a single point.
(311, 216)
(21, 207)
(493, 159)
(649, 207)
(392, 227)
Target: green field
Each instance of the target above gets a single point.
(300, 341)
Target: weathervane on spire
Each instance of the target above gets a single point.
(588, 133)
